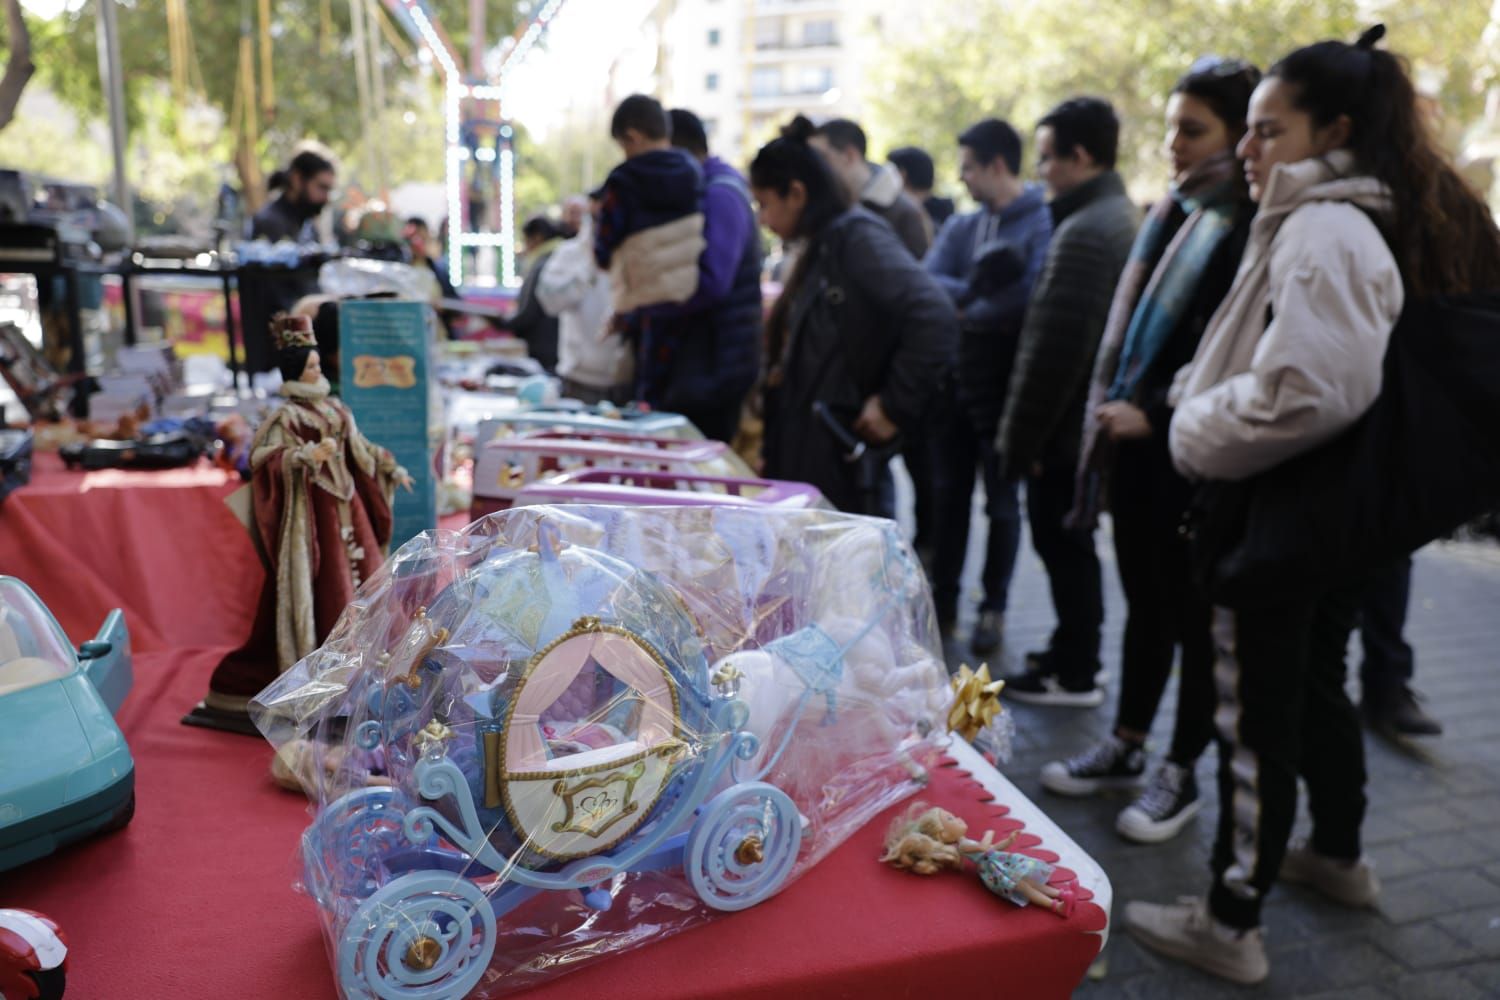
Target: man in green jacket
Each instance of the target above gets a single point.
(1094, 226)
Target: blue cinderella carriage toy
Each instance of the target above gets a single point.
(561, 702)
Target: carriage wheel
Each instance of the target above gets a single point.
(350, 837)
(743, 845)
(425, 936)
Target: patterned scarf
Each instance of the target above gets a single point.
(1156, 288)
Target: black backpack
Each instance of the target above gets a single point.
(1424, 460)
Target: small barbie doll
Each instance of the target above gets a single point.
(926, 841)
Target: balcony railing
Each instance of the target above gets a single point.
(782, 45)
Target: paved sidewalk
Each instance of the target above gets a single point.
(1433, 826)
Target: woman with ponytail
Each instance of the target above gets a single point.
(859, 340)
(1357, 210)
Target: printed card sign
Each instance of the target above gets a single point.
(383, 379)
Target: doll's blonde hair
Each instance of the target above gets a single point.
(918, 842)
(917, 852)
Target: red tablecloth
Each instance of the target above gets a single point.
(160, 545)
(194, 898)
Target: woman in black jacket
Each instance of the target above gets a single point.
(857, 344)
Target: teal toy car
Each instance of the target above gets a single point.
(65, 771)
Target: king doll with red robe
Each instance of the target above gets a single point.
(321, 496)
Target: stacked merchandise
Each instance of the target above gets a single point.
(144, 375)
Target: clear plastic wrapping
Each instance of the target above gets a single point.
(566, 731)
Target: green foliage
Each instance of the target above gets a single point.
(1015, 59)
(315, 89)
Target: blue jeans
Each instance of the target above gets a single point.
(1387, 665)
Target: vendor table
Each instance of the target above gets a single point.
(194, 899)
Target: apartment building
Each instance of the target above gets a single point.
(747, 66)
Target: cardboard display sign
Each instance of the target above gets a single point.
(383, 347)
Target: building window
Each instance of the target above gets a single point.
(713, 37)
(711, 82)
(815, 80)
(768, 33)
(818, 33)
(710, 128)
(765, 81)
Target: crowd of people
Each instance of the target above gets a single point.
(1055, 343)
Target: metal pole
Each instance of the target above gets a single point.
(476, 40)
(111, 79)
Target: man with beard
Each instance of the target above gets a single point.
(307, 183)
(305, 187)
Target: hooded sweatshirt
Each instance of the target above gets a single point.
(1294, 354)
(987, 341)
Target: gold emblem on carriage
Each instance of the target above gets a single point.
(598, 803)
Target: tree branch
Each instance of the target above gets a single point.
(19, 68)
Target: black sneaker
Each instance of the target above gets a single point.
(1396, 712)
(1037, 688)
(1111, 764)
(1169, 801)
(988, 632)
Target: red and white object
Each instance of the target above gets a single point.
(33, 956)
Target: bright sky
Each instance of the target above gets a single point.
(48, 9)
(570, 71)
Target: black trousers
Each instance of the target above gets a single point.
(718, 421)
(1388, 660)
(1073, 574)
(1164, 609)
(963, 451)
(1283, 713)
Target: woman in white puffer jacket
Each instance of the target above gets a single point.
(1358, 209)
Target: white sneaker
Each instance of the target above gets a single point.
(1169, 802)
(1107, 765)
(1352, 883)
(1186, 931)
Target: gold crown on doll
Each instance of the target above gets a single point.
(292, 332)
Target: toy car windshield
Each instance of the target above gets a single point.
(32, 649)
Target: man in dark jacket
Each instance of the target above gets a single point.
(305, 187)
(701, 357)
(1094, 227)
(918, 175)
(843, 147)
(987, 261)
(879, 189)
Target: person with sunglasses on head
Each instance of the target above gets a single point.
(1181, 267)
(1358, 210)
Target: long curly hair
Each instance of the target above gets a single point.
(1442, 233)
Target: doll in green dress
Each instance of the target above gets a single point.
(926, 841)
